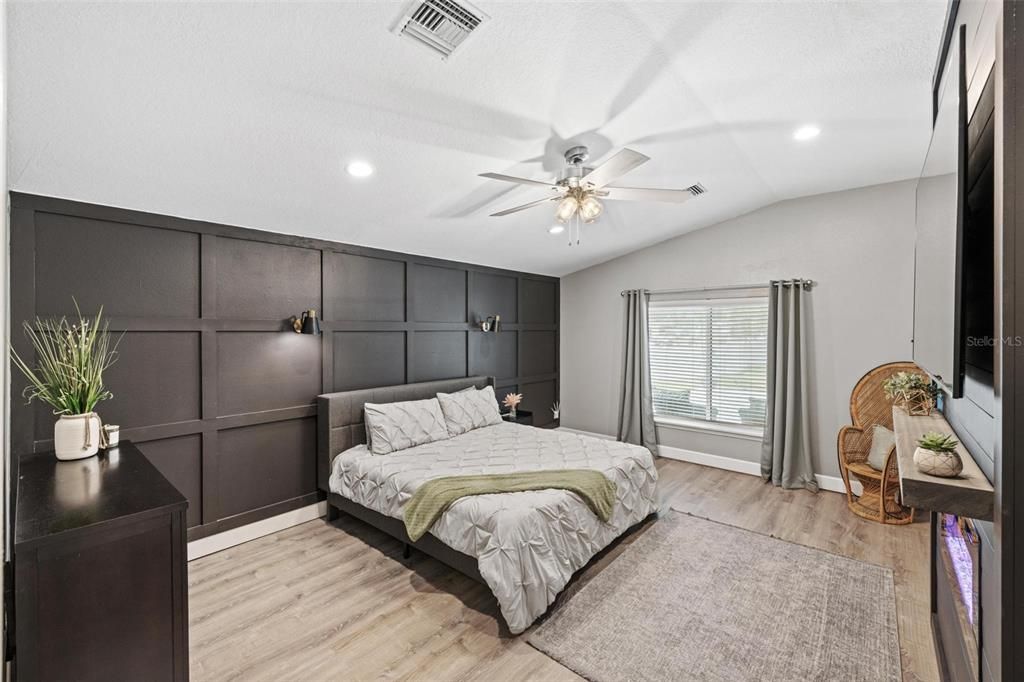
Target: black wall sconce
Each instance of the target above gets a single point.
(307, 323)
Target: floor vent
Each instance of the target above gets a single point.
(441, 25)
(696, 190)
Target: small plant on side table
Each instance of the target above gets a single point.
(512, 401)
(912, 391)
(936, 455)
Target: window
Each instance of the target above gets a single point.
(709, 360)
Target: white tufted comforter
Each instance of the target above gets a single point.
(528, 544)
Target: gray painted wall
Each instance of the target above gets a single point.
(857, 244)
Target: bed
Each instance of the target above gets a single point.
(525, 546)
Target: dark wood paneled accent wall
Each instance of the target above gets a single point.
(212, 384)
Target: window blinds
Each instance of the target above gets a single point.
(709, 359)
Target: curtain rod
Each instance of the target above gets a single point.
(808, 283)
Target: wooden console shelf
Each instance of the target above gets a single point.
(969, 494)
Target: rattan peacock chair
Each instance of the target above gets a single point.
(880, 497)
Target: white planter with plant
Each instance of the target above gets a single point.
(936, 455)
(70, 358)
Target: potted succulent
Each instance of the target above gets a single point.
(912, 391)
(70, 358)
(936, 455)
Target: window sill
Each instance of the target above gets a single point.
(734, 430)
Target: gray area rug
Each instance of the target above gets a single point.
(692, 599)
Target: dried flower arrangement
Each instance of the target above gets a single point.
(512, 401)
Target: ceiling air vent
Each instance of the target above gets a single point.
(441, 25)
(696, 190)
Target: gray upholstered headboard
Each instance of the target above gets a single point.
(340, 415)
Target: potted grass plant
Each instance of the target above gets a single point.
(67, 375)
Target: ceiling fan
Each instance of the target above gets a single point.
(580, 189)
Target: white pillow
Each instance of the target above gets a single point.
(468, 410)
(396, 426)
(882, 440)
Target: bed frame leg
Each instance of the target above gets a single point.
(406, 551)
(333, 513)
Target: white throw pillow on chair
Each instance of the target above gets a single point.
(882, 440)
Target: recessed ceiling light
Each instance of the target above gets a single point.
(806, 133)
(359, 169)
(556, 229)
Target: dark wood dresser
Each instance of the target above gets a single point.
(100, 578)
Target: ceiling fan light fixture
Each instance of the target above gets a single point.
(590, 209)
(567, 208)
(579, 191)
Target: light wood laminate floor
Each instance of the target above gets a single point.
(336, 601)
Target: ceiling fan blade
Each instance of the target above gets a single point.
(516, 209)
(520, 181)
(676, 196)
(612, 169)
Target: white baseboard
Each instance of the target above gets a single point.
(251, 531)
(236, 536)
(835, 484)
(717, 461)
(832, 483)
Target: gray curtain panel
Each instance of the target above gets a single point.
(636, 407)
(786, 448)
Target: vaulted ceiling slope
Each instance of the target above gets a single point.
(247, 114)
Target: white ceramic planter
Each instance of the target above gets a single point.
(76, 436)
(942, 464)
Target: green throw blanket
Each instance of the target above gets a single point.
(435, 496)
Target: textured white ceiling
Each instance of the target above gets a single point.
(247, 113)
